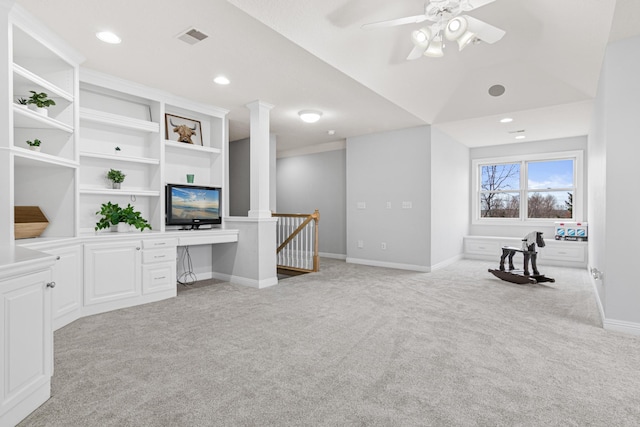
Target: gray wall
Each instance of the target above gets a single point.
(239, 174)
(316, 181)
(536, 147)
(391, 167)
(614, 187)
(449, 197)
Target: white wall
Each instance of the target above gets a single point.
(391, 167)
(317, 181)
(449, 197)
(536, 147)
(616, 129)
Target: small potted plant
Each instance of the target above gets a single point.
(34, 145)
(22, 102)
(39, 102)
(119, 219)
(118, 150)
(116, 177)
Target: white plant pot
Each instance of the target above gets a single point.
(115, 185)
(123, 227)
(34, 148)
(23, 106)
(41, 111)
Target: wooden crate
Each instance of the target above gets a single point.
(29, 222)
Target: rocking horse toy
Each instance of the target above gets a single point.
(529, 251)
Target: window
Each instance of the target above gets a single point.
(543, 188)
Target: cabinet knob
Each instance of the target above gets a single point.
(58, 258)
(138, 248)
(51, 285)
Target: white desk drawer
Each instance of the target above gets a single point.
(159, 243)
(158, 277)
(159, 255)
(482, 247)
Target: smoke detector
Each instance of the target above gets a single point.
(192, 36)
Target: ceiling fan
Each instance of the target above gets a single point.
(448, 22)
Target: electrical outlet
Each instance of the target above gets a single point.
(388, 205)
(362, 205)
(383, 245)
(407, 205)
(360, 244)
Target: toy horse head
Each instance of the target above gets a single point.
(539, 239)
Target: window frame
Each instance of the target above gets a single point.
(523, 191)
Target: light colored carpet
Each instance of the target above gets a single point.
(352, 345)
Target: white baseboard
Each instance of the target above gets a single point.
(622, 326)
(245, 281)
(333, 256)
(384, 264)
(447, 262)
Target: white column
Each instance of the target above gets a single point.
(259, 161)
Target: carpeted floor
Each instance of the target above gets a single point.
(352, 345)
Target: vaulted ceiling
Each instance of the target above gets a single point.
(306, 54)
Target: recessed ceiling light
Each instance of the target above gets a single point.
(520, 137)
(222, 80)
(506, 120)
(108, 37)
(310, 116)
(331, 132)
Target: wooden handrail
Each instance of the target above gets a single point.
(315, 216)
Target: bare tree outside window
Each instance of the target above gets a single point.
(500, 186)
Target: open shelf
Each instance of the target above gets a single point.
(122, 192)
(24, 78)
(25, 118)
(191, 147)
(120, 158)
(123, 122)
(24, 157)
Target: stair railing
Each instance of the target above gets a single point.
(297, 240)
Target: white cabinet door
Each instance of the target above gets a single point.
(111, 271)
(67, 295)
(26, 335)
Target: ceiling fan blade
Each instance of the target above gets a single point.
(485, 32)
(468, 5)
(416, 52)
(393, 22)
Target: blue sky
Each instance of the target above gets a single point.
(550, 174)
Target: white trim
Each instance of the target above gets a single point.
(313, 149)
(372, 263)
(245, 281)
(579, 181)
(622, 326)
(447, 262)
(333, 256)
(597, 295)
(249, 219)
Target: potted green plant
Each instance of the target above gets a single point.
(113, 216)
(22, 102)
(116, 177)
(118, 150)
(39, 102)
(34, 145)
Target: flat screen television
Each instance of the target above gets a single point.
(193, 205)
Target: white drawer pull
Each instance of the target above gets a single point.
(159, 278)
(561, 253)
(481, 247)
(159, 256)
(160, 244)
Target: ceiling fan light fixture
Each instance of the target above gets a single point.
(435, 49)
(456, 28)
(421, 37)
(310, 116)
(465, 40)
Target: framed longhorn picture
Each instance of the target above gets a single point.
(182, 129)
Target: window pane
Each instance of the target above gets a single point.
(550, 204)
(500, 205)
(550, 174)
(501, 177)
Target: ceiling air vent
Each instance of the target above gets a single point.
(192, 36)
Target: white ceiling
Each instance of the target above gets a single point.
(301, 54)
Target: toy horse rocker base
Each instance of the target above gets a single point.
(529, 251)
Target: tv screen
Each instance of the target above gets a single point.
(193, 205)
